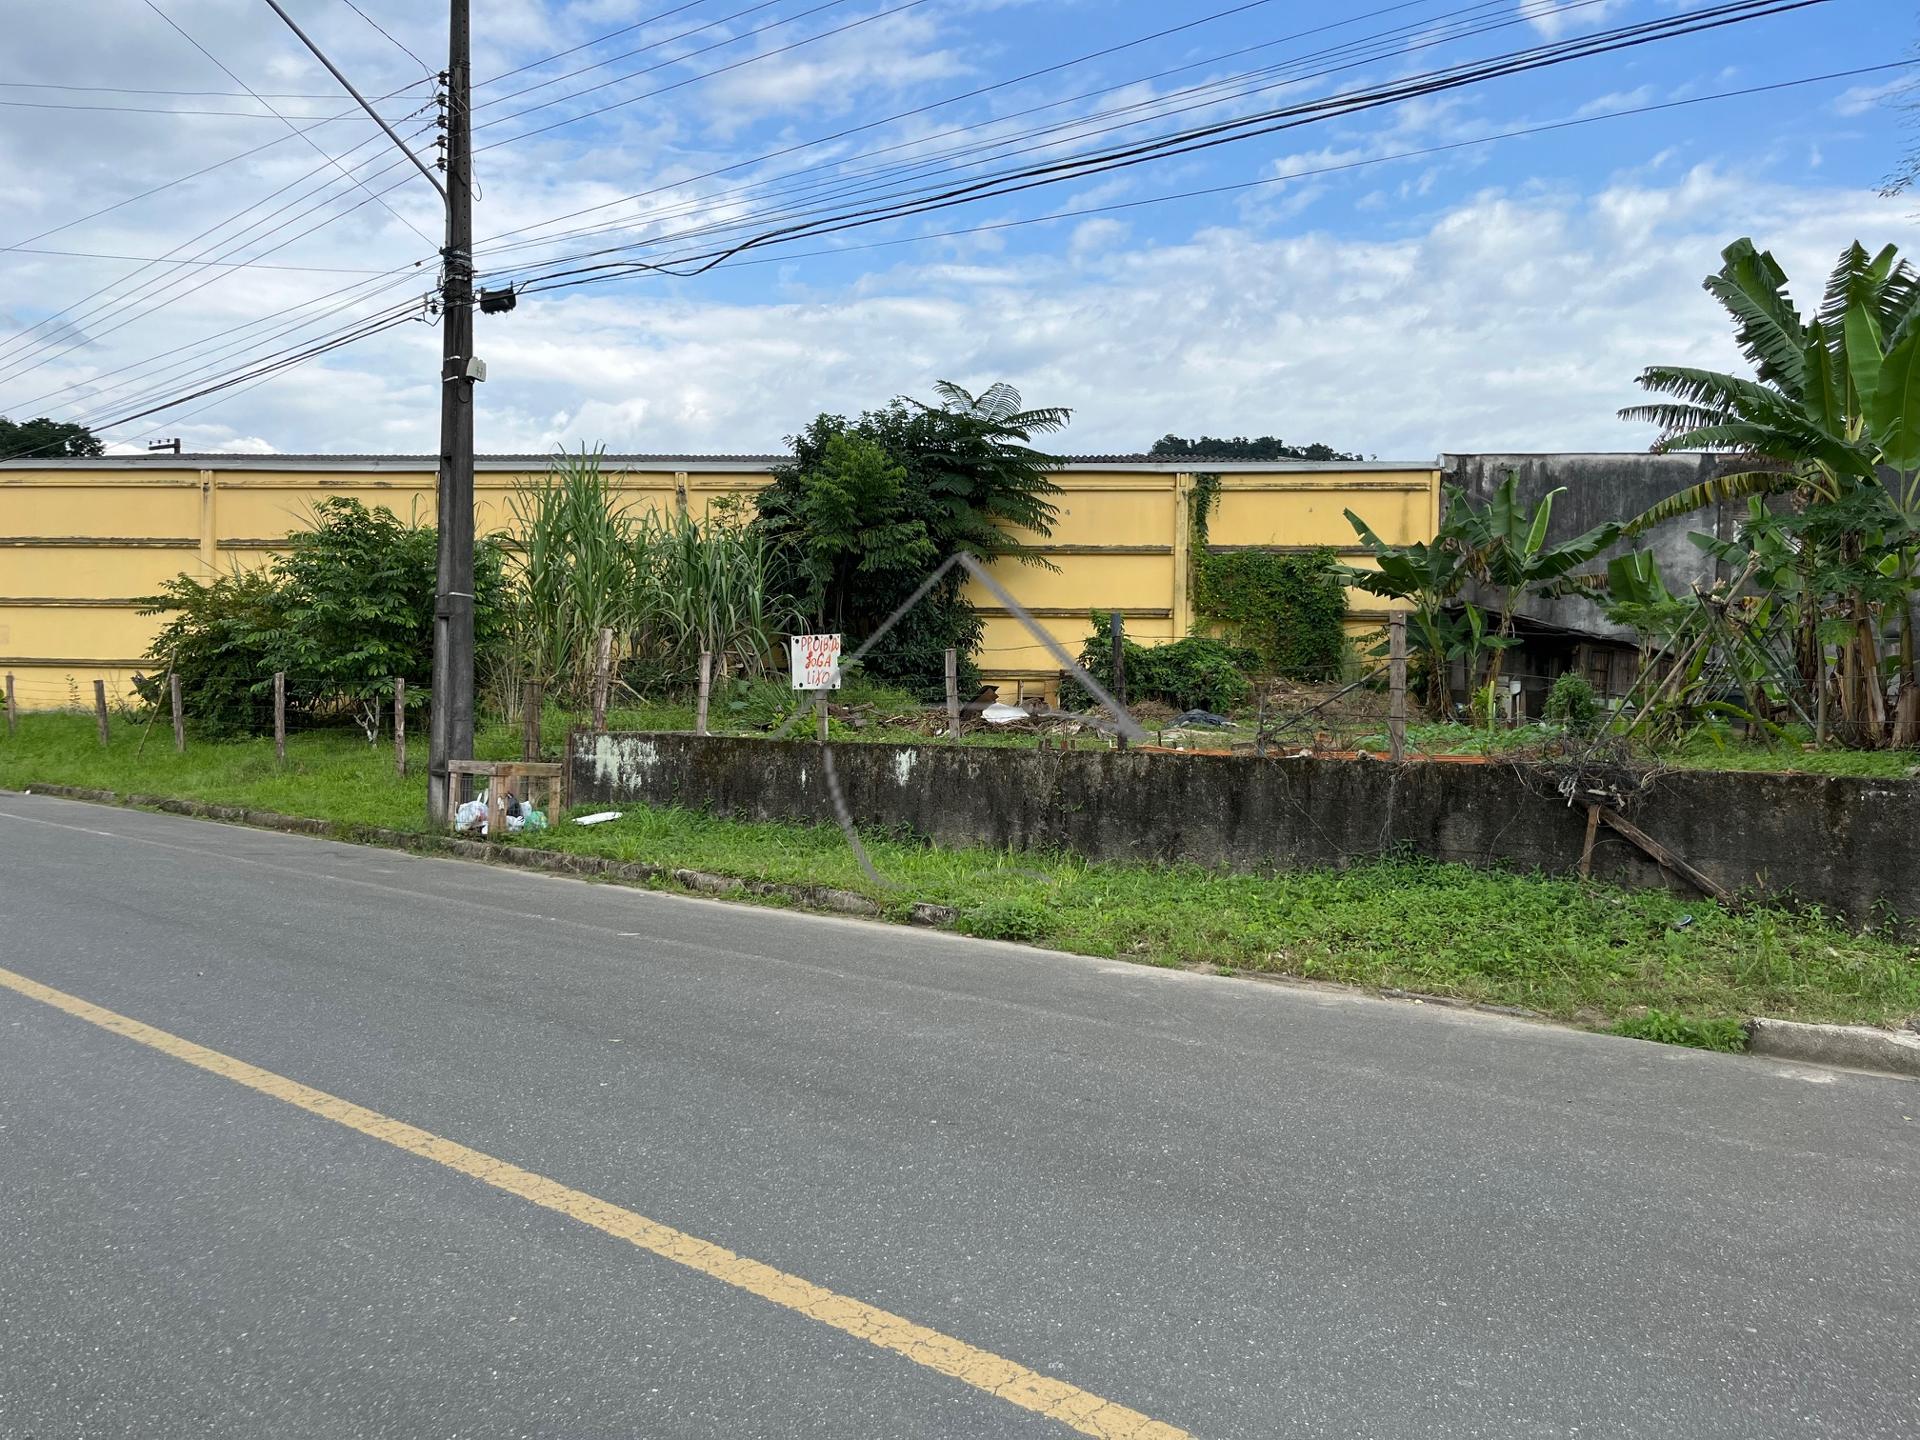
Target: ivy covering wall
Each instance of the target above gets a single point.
(1289, 610)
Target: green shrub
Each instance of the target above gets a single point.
(1669, 1029)
(346, 611)
(1573, 704)
(1197, 673)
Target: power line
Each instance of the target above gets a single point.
(187, 94)
(234, 244)
(164, 260)
(425, 68)
(1200, 138)
(643, 49)
(165, 281)
(925, 109)
(586, 44)
(980, 150)
(160, 110)
(153, 6)
(896, 9)
(1448, 77)
(1294, 175)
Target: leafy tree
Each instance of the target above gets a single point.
(1267, 447)
(344, 612)
(46, 438)
(1832, 419)
(867, 508)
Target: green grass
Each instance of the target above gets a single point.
(1576, 951)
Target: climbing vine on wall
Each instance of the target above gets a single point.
(1289, 609)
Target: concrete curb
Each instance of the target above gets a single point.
(1852, 1047)
(520, 857)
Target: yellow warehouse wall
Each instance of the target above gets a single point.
(81, 541)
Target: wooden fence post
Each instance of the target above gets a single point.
(399, 726)
(953, 695)
(532, 700)
(12, 714)
(820, 704)
(602, 678)
(1118, 627)
(179, 714)
(1397, 685)
(280, 716)
(706, 691)
(100, 708)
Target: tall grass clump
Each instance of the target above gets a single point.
(581, 555)
(703, 585)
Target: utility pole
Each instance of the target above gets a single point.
(450, 735)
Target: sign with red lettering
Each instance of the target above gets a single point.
(815, 661)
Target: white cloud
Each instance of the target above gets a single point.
(1554, 18)
(1859, 99)
(1503, 322)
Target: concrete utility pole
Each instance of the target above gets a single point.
(450, 736)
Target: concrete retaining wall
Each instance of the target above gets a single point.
(1840, 842)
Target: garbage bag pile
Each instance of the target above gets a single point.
(471, 818)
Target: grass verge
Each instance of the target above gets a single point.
(1642, 963)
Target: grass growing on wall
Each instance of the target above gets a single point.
(1643, 962)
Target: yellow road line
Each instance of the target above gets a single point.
(982, 1369)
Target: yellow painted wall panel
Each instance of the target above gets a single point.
(1106, 508)
(1086, 582)
(1114, 517)
(1317, 517)
(149, 512)
(47, 631)
(89, 574)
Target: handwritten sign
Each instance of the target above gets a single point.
(815, 661)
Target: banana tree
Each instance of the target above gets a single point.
(1427, 575)
(1509, 552)
(1502, 545)
(1831, 417)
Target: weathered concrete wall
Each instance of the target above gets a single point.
(1844, 843)
(1602, 487)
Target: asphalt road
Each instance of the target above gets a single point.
(1238, 1209)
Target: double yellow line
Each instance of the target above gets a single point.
(997, 1376)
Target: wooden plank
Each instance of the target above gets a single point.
(179, 714)
(706, 692)
(1586, 849)
(532, 701)
(13, 714)
(953, 695)
(602, 679)
(400, 727)
(1397, 686)
(280, 716)
(100, 709)
(1667, 859)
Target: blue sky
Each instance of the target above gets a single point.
(1497, 294)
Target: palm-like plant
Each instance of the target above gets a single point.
(1832, 415)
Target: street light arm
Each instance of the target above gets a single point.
(334, 70)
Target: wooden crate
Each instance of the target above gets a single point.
(538, 784)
